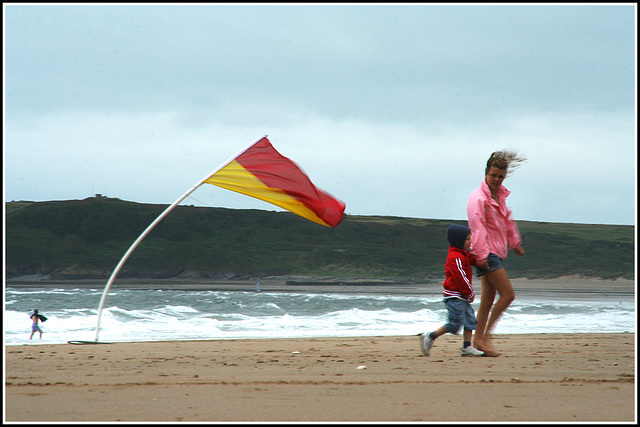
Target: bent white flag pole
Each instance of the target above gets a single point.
(151, 226)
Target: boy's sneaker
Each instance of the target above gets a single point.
(425, 343)
(471, 351)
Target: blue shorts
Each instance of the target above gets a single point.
(35, 328)
(460, 314)
(495, 263)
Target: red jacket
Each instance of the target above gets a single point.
(458, 274)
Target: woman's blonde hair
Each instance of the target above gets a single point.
(504, 159)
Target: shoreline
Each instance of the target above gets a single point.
(539, 377)
(36, 342)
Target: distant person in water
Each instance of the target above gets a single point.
(35, 319)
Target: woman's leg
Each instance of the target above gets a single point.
(487, 296)
(500, 282)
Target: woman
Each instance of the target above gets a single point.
(493, 233)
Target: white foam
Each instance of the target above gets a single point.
(171, 315)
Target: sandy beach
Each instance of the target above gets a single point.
(566, 286)
(545, 377)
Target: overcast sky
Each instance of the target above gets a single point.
(393, 109)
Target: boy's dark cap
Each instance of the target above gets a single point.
(457, 234)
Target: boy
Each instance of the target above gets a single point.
(458, 292)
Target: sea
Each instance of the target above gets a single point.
(162, 315)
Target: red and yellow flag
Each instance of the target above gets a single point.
(263, 173)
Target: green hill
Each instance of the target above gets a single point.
(87, 238)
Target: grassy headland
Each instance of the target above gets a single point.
(84, 239)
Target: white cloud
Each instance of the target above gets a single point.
(393, 109)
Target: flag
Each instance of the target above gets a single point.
(263, 173)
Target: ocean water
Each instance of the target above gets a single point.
(158, 315)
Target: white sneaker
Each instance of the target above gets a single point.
(471, 351)
(425, 343)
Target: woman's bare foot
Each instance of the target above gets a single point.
(488, 349)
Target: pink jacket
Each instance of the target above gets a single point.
(493, 229)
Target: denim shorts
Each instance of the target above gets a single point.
(460, 314)
(495, 263)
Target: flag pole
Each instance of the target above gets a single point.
(152, 225)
